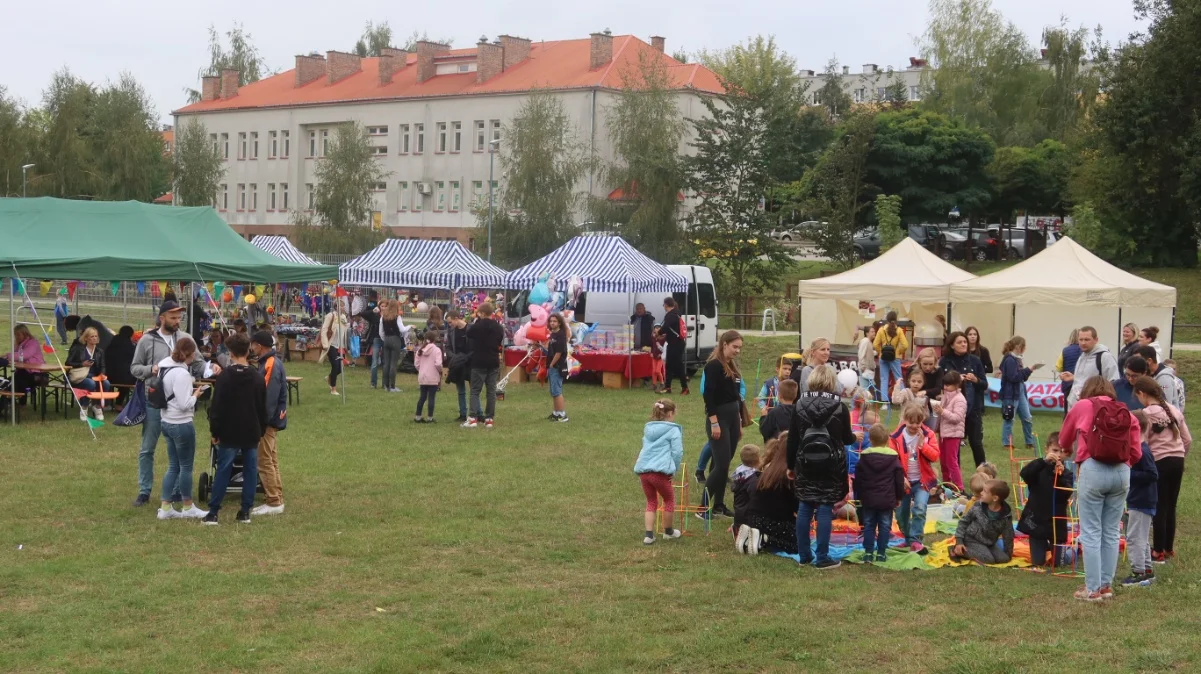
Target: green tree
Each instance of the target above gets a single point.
(896, 94)
(342, 200)
(983, 71)
(240, 55)
(18, 144)
(375, 39)
(730, 173)
(888, 218)
(198, 165)
(541, 162)
(832, 95)
(837, 191)
(1030, 179)
(422, 36)
(65, 163)
(933, 163)
(1074, 89)
(127, 144)
(680, 55)
(646, 130)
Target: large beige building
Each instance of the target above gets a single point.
(433, 116)
(871, 82)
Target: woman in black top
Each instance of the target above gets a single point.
(118, 358)
(977, 349)
(393, 330)
(975, 385)
(674, 363)
(556, 352)
(723, 406)
(458, 364)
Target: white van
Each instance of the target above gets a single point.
(698, 307)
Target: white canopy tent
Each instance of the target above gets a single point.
(907, 278)
(1046, 296)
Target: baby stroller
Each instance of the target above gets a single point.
(205, 487)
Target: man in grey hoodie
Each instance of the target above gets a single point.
(1095, 359)
(1164, 375)
(155, 345)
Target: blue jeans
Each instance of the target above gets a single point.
(912, 516)
(877, 530)
(1021, 410)
(151, 428)
(706, 454)
(890, 371)
(181, 455)
(462, 388)
(225, 467)
(91, 385)
(555, 379)
(1101, 498)
(825, 525)
(377, 357)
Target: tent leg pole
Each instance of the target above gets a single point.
(12, 323)
(124, 303)
(1172, 344)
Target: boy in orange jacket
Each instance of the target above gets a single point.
(917, 448)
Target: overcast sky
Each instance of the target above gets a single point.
(164, 44)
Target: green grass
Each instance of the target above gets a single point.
(434, 548)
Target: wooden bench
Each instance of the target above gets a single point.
(294, 385)
(12, 397)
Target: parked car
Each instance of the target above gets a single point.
(798, 232)
(867, 244)
(1009, 243)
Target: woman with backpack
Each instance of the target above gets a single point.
(1104, 438)
(891, 345)
(1169, 439)
(817, 461)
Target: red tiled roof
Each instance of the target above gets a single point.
(165, 199)
(554, 65)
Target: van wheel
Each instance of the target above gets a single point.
(945, 254)
(202, 489)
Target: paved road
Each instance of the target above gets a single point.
(1187, 347)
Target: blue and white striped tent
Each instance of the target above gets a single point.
(604, 264)
(280, 247)
(411, 263)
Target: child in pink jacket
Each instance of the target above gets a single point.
(951, 421)
(428, 360)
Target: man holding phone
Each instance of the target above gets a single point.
(485, 338)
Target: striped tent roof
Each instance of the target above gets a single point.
(604, 264)
(280, 247)
(411, 263)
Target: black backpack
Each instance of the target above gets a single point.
(816, 444)
(156, 397)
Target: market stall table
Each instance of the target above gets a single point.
(55, 372)
(617, 368)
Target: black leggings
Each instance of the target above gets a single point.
(428, 392)
(1163, 525)
(974, 427)
(335, 365)
(674, 365)
(729, 417)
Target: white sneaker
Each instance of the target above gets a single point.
(752, 545)
(268, 510)
(83, 414)
(99, 413)
(744, 532)
(648, 540)
(470, 423)
(334, 393)
(675, 533)
(193, 513)
(171, 514)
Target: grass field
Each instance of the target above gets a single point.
(435, 548)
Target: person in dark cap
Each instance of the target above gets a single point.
(271, 367)
(155, 345)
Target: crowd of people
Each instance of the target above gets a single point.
(823, 458)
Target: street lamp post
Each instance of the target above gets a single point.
(491, 160)
(24, 169)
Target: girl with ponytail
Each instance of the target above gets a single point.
(1169, 439)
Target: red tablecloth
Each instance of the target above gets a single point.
(638, 367)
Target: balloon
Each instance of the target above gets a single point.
(541, 291)
(848, 378)
(271, 308)
(519, 337)
(227, 296)
(250, 299)
(422, 307)
(536, 333)
(538, 315)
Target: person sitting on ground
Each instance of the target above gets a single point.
(917, 446)
(118, 357)
(777, 420)
(749, 466)
(880, 487)
(1044, 519)
(769, 393)
(986, 523)
(984, 472)
(658, 460)
(237, 420)
(773, 506)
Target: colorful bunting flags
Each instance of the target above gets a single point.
(141, 288)
(71, 286)
(116, 288)
(46, 287)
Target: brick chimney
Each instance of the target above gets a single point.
(517, 49)
(426, 51)
(339, 65)
(490, 60)
(401, 56)
(229, 83)
(210, 87)
(658, 42)
(390, 61)
(601, 51)
(308, 68)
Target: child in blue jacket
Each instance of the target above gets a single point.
(662, 452)
(1140, 506)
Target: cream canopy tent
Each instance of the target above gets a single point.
(907, 278)
(1061, 288)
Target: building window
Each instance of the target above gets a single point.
(283, 196)
(477, 193)
(270, 197)
(287, 138)
(309, 195)
(272, 144)
(241, 196)
(380, 187)
(377, 131)
(456, 144)
(439, 196)
(225, 145)
(880, 93)
(481, 137)
(495, 132)
(312, 143)
(404, 196)
(860, 95)
(456, 196)
(418, 201)
(404, 138)
(224, 197)
(242, 145)
(914, 94)
(441, 147)
(254, 144)
(380, 150)
(419, 130)
(324, 142)
(216, 148)
(254, 197)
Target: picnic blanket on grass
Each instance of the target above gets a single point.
(940, 555)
